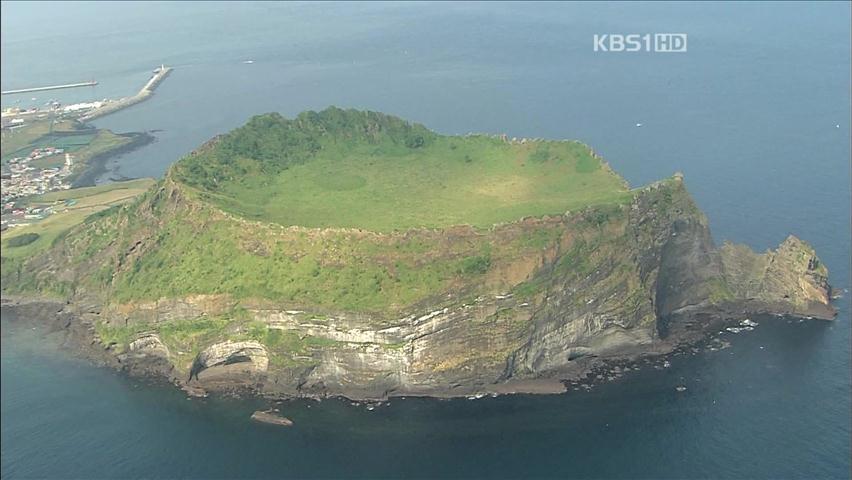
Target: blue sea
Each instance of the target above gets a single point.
(756, 114)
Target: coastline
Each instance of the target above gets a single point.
(96, 166)
(80, 340)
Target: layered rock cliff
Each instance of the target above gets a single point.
(613, 281)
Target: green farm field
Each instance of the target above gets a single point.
(83, 143)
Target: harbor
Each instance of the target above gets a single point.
(111, 107)
(15, 118)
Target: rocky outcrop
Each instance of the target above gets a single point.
(271, 418)
(147, 355)
(165, 310)
(230, 364)
(149, 344)
(790, 280)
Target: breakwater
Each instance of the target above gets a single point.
(111, 107)
(50, 87)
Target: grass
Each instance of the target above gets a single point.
(202, 253)
(89, 201)
(83, 147)
(340, 169)
(199, 251)
(43, 133)
(381, 183)
(330, 271)
(365, 171)
(129, 186)
(102, 142)
(719, 291)
(477, 264)
(20, 138)
(82, 143)
(22, 240)
(393, 189)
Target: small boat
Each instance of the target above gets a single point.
(248, 62)
(638, 124)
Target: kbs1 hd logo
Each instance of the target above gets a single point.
(637, 42)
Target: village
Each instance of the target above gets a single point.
(20, 178)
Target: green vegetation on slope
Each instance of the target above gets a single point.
(344, 168)
(204, 252)
(21, 240)
(90, 203)
(374, 173)
(89, 195)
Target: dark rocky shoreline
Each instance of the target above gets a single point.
(79, 339)
(96, 165)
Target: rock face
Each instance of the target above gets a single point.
(147, 355)
(149, 344)
(614, 282)
(165, 310)
(790, 279)
(230, 363)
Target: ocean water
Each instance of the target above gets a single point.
(756, 114)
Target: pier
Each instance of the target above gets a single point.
(51, 87)
(144, 93)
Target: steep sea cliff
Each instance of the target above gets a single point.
(642, 280)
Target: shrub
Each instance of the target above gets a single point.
(415, 141)
(22, 240)
(541, 154)
(478, 264)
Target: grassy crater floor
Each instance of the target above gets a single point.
(345, 168)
